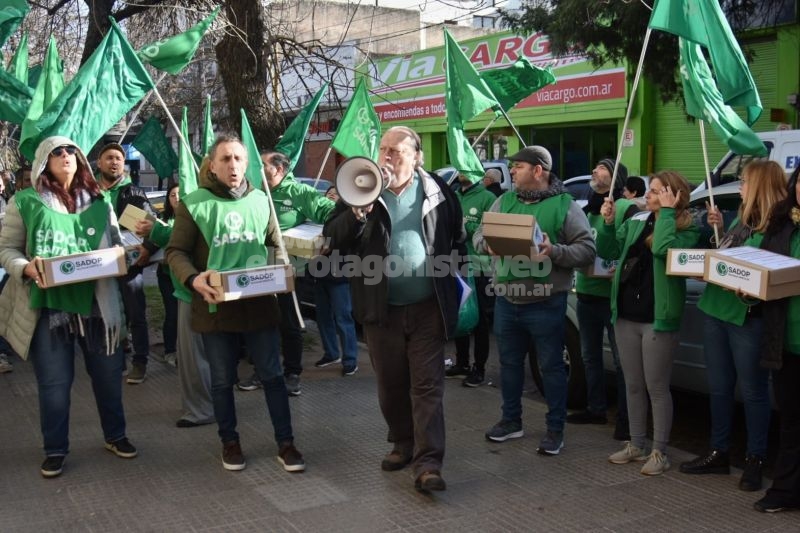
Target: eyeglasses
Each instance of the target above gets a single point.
(59, 151)
(391, 152)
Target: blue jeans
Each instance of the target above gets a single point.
(515, 325)
(593, 317)
(136, 314)
(170, 325)
(222, 351)
(335, 315)
(53, 356)
(733, 351)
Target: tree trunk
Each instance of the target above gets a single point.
(98, 25)
(244, 70)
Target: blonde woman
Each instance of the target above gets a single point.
(733, 333)
(646, 308)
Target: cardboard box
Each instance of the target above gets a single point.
(305, 240)
(602, 268)
(759, 273)
(66, 269)
(131, 242)
(511, 234)
(252, 282)
(686, 262)
(131, 215)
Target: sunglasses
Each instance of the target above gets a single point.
(59, 151)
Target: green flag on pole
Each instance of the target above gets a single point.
(15, 98)
(106, 87)
(173, 54)
(360, 129)
(187, 177)
(155, 147)
(704, 101)
(11, 14)
(466, 94)
(48, 87)
(703, 22)
(255, 167)
(291, 144)
(208, 129)
(18, 66)
(513, 84)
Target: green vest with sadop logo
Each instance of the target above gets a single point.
(600, 286)
(234, 229)
(550, 214)
(53, 234)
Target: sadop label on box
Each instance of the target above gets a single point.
(734, 276)
(258, 282)
(71, 270)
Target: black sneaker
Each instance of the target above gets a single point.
(292, 384)
(457, 371)
(232, 456)
(475, 379)
(250, 384)
(291, 458)
(53, 465)
(715, 462)
(504, 430)
(587, 417)
(770, 504)
(751, 477)
(122, 448)
(137, 374)
(327, 361)
(349, 370)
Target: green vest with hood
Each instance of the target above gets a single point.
(53, 234)
(550, 214)
(297, 202)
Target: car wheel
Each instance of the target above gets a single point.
(576, 385)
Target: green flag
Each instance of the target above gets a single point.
(19, 61)
(208, 129)
(48, 87)
(360, 129)
(466, 94)
(512, 84)
(106, 87)
(11, 14)
(462, 156)
(155, 147)
(255, 167)
(173, 54)
(704, 101)
(187, 177)
(33, 76)
(15, 98)
(291, 144)
(703, 22)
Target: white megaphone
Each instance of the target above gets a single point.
(359, 181)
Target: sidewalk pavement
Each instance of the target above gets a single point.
(177, 482)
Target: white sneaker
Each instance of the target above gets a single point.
(656, 464)
(627, 454)
(5, 364)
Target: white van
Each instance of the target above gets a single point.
(783, 147)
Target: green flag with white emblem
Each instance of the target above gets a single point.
(173, 54)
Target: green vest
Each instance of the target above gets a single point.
(550, 214)
(113, 192)
(53, 234)
(722, 303)
(235, 230)
(600, 286)
(792, 338)
(475, 201)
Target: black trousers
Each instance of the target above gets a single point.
(786, 475)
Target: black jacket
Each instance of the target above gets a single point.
(131, 194)
(443, 229)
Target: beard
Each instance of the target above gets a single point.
(598, 187)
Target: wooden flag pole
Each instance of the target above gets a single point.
(138, 109)
(708, 178)
(322, 166)
(175, 126)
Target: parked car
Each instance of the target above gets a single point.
(322, 185)
(449, 174)
(580, 190)
(689, 368)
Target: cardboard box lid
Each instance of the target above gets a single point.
(780, 268)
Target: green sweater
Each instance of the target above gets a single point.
(297, 202)
(669, 291)
(600, 286)
(722, 303)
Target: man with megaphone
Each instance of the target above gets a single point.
(408, 225)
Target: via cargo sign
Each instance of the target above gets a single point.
(411, 87)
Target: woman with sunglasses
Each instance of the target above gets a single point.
(64, 212)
